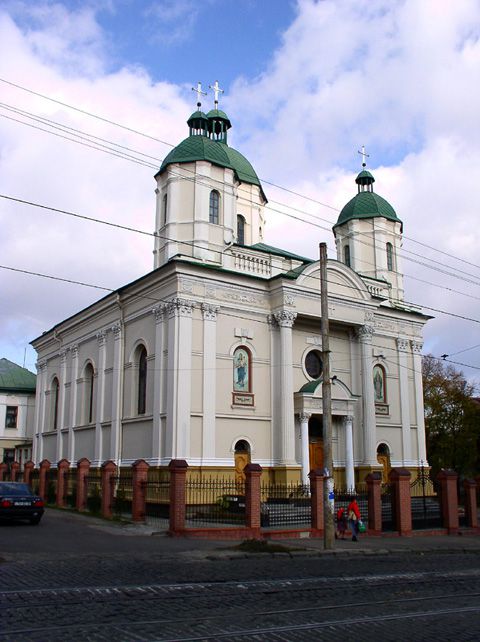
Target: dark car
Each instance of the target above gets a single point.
(17, 501)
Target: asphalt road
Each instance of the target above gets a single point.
(72, 578)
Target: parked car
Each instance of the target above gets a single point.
(17, 501)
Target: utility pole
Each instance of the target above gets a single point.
(328, 499)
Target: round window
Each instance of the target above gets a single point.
(313, 364)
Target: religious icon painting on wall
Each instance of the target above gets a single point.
(379, 384)
(241, 370)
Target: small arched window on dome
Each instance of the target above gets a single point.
(389, 257)
(54, 403)
(346, 255)
(142, 382)
(164, 209)
(214, 207)
(240, 230)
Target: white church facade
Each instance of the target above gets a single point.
(215, 356)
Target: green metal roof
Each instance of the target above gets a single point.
(365, 178)
(16, 378)
(311, 386)
(367, 205)
(218, 113)
(198, 148)
(263, 247)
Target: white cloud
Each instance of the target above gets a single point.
(172, 21)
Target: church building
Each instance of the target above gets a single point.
(215, 356)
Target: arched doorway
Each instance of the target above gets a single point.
(315, 441)
(242, 458)
(383, 458)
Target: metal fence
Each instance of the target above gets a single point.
(389, 521)
(214, 502)
(70, 487)
(35, 480)
(51, 478)
(157, 497)
(93, 490)
(122, 493)
(426, 504)
(285, 505)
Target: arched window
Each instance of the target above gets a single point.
(88, 401)
(54, 402)
(214, 205)
(164, 209)
(346, 252)
(240, 230)
(380, 384)
(142, 382)
(390, 257)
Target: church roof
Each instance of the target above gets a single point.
(263, 247)
(15, 378)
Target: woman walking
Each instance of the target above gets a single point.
(353, 514)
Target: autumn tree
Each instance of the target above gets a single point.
(452, 419)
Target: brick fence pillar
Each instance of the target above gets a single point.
(83, 467)
(253, 500)
(44, 467)
(400, 480)
(316, 488)
(139, 481)
(3, 471)
(374, 489)
(477, 479)
(109, 470)
(470, 486)
(62, 468)
(14, 468)
(449, 500)
(178, 478)
(27, 471)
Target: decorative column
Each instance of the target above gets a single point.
(285, 320)
(402, 346)
(73, 403)
(419, 410)
(158, 379)
(304, 418)
(102, 353)
(117, 394)
(180, 313)
(109, 470)
(209, 381)
(37, 450)
(61, 404)
(365, 336)
(349, 465)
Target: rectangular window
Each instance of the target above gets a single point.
(11, 417)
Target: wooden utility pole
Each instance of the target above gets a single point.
(328, 500)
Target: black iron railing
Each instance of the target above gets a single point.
(214, 501)
(285, 505)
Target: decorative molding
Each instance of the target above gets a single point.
(74, 351)
(101, 337)
(288, 299)
(159, 312)
(187, 286)
(180, 307)
(348, 419)
(63, 356)
(417, 346)
(285, 318)
(304, 416)
(117, 331)
(402, 345)
(243, 333)
(369, 316)
(272, 322)
(365, 333)
(314, 341)
(41, 366)
(210, 311)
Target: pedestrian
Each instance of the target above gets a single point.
(341, 523)
(353, 516)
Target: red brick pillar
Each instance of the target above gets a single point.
(374, 489)
(477, 479)
(470, 486)
(44, 467)
(400, 480)
(3, 471)
(27, 471)
(109, 470)
(62, 468)
(14, 468)
(83, 467)
(178, 477)
(449, 500)
(253, 500)
(316, 488)
(139, 481)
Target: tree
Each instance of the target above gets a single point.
(452, 419)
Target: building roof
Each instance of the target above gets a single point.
(263, 247)
(15, 378)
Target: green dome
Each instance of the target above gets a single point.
(366, 204)
(201, 148)
(218, 114)
(197, 115)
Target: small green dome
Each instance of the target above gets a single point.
(197, 115)
(366, 204)
(218, 114)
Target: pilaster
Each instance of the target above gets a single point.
(159, 373)
(286, 319)
(117, 393)
(365, 337)
(73, 403)
(402, 347)
(419, 409)
(349, 464)
(304, 419)
(209, 379)
(102, 350)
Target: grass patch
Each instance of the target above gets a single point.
(263, 546)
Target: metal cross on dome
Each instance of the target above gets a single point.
(199, 93)
(216, 91)
(364, 156)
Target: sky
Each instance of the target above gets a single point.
(306, 84)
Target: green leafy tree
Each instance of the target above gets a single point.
(452, 419)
